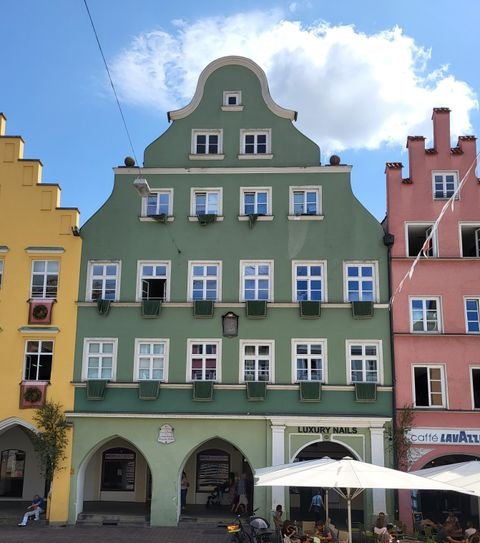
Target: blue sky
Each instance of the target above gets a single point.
(362, 74)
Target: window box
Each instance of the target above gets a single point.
(151, 309)
(103, 307)
(309, 309)
(208, 218)
(203, 309)
(33, 394)
(362, 310)
(162, 218)
(310, 391)
(256, 390)
(256, 309)
(365, 392)
(148, 390)
(96, 389)
(203, 391)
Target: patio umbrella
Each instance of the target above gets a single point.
(463, 474)
(347, 477)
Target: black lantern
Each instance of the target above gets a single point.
(230, 324)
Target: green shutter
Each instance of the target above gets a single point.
(362, 310)
(256, 390)
(203, 309)
(365, 392)
(151, 309)
(256, 309)
(148, 390)
(103, 307)
(309, 310)
(96, 389)
(310, 391)
(203, 391)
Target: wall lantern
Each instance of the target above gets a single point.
(230, 324)
(141, 186)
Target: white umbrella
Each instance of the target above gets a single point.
(463, 474)
(347, 477)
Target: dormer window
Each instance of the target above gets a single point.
(255, 143)
(207, 144)
(232, 101)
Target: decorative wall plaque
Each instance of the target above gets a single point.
(166, 435)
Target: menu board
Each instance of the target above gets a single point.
(213, 467)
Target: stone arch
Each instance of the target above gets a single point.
(352, 452)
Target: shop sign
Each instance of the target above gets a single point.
(166, 435)
(443, 436)
(326, 430)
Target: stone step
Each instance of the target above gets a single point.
(92, 519)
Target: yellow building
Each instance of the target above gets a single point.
(39, 267)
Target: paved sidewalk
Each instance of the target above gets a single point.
(113, 534)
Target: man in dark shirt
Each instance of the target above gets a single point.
(37, 507)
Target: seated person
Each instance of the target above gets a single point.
(379, 527)
(447, 533)
(288, 531)
(470, 531)
(452, 519)
(324, 532)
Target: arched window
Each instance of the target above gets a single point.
(12, 468)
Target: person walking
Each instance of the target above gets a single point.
(35, 509)
(184, 484)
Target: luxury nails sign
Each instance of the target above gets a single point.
(444, 436)
(326, 430)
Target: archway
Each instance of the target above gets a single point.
(301, 497)
(209, 469)
(114, 480)
(436, 504)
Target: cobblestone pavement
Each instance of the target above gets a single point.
(113, 534)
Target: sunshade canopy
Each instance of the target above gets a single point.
(463, 474)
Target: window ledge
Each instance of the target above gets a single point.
(425, 333)
(34, 330)
(232, 108)
(305, 217)
(206, 157)
(259, 218)
(261, 156)
(170, 218)
(194, 218)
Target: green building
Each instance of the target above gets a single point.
(233, 313)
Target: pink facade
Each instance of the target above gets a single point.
(436, 312)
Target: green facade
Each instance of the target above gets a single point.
(342, 231)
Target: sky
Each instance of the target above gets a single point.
(362, 75)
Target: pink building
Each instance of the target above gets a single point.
(435, 310)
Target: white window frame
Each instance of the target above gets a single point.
(194, 191)
(243, 265)
(295, 356)
(434, 240)
(443, 174)
(158, 193)
(86, 343)
(40, 352)
(140, 264)
(207, 132)
(475, 226)
(443, 379)
(323, 278)
(364, 343)
(245, 190)
(2, 271)
(271, 358)
(138, 355)
(472, 389)
(424, 314)
(244, 132)
(204, 341)
(361, 264)
(44, 274)
(475, 299)
(90, 276)
(191, 264)
(317, 189)
(238, 102)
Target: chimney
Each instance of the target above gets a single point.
(3, 124)
(441, 129)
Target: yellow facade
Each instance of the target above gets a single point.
(34, 228)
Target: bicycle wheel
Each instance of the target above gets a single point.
(244, 537)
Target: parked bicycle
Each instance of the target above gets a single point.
(255, 530)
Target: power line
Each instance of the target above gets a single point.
(111, 81)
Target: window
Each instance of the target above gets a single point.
(38, 360)
(153, 281)
(100, 359)
(207, 142)
(429, 386)
(103, 281)
(472, 313)
(360, 282)
(424, 314)
(206, 202)
(44, 279)
(444, 184)
(470, 235)
(256, 361)
(417, 235)
(305, 201)
(1, 272)
(256, 280)
(204, 281)
(364, 361)
(158, 203)
(118, 470)
(476, 387)
(309, 281)
(232, 98)
(12, 470)
(204, 360)
(255, 201)
(151, 359)
(255, 142)
(308, 359)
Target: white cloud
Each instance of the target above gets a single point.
(352, 90)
